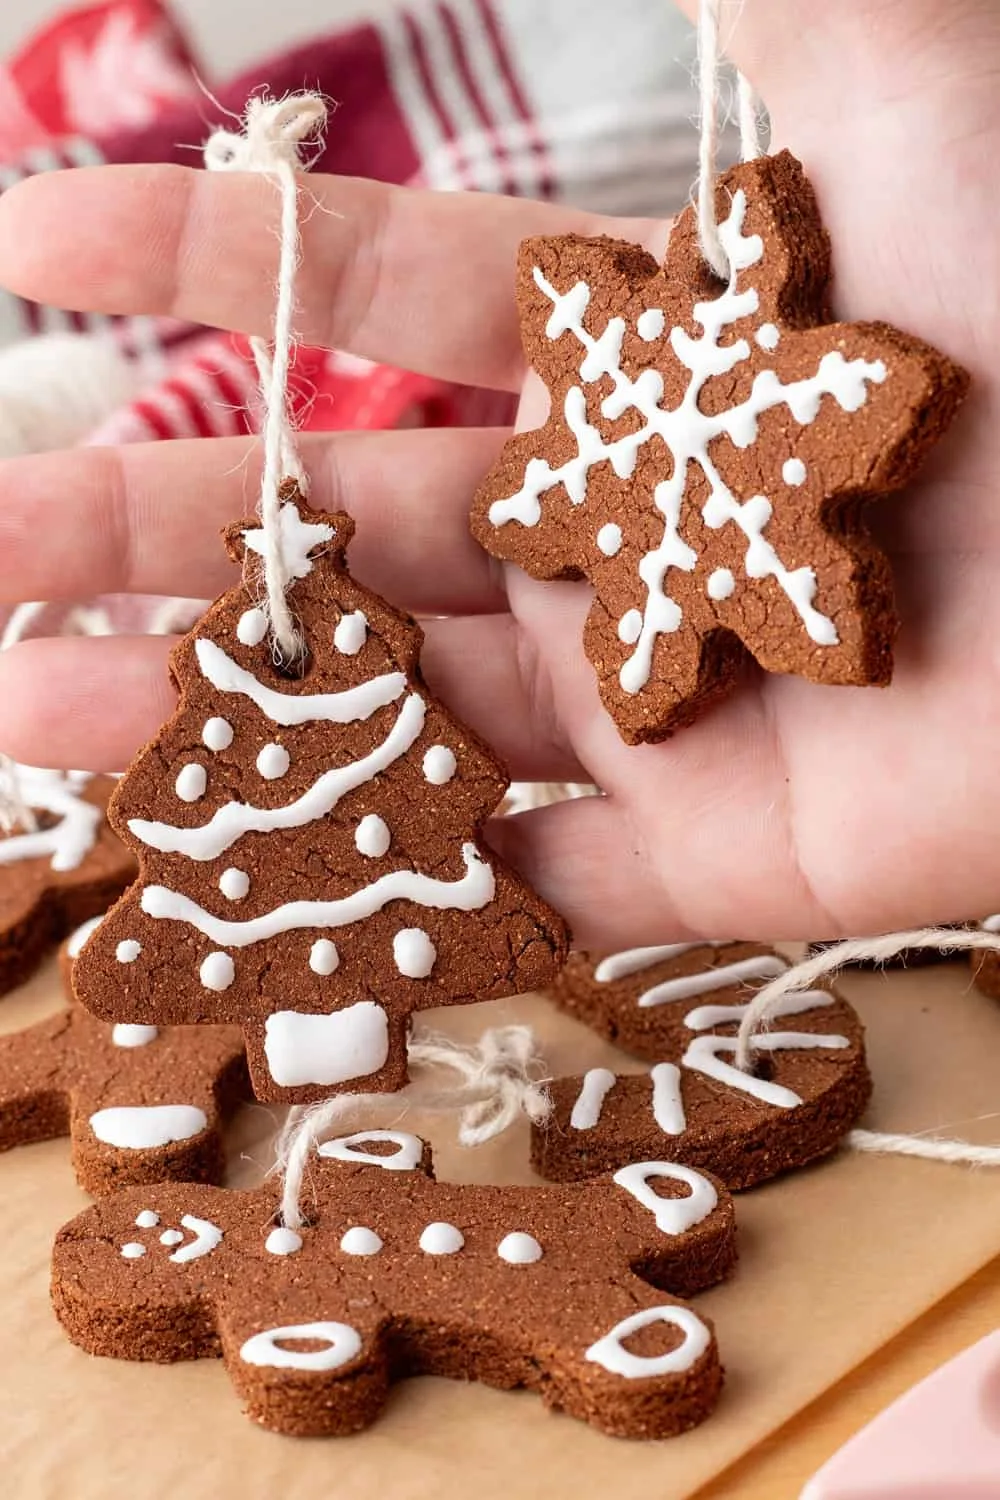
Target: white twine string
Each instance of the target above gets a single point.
(709, 238)
(804, 976)
(496, 1088)
(274, 135)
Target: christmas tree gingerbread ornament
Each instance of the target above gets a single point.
(309, 860)
(574, 1292)
(709, 447)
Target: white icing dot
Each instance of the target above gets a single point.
(793, 471)
(414, 953)
(217, 971)
(440, 765)
(609, 539)
(252, 627)
(146, 1219)
(519, 1249)
(128, 951)
(123, 1035)
(768, 336)
(441, 1239)
(273, 761)
(651, 324)
(217, 734)
(171, 1237)
(351, 633)
(720, 584)
(234, 883)
(372, 836)
(282, 1241)
(360, 1241)
(191, 782)
(133, 1250)
(630, 627)
(323, 956)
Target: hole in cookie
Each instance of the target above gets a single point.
(293, 670)
(763, 1068)
(653, 1340)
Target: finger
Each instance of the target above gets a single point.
(89, 703)
(146, 518)
(419, 279)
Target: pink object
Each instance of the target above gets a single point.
(941, 1441)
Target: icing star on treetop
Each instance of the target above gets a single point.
(706, 450)
(299, 539)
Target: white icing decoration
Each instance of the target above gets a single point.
(413, 952)
(351, 633)
(217, 734)
(233, 819)
(609, 539)
(793, 471)
(668, 1105)
(705, 1016)
(234, 884)
(326, 1049)
(702, 1056)
(298, 539)
(207, 1237)
(69, 840)
(125, 1035)
(217, 971)
(634, 960)
(323, 957)
(251, 628)
(651, 324)
(372, 836)
(768, 336)
(630, 627)
(146, 1218)
(991, 924)
(289, 709)
(611, 1354)
(688, 433)
(145, 1127)
(128, 951)
(408, 1154)
(191, 782)
(343, 1345)
(471, 892)
(764, 966)
(273, 761)
(133, 1250)
(597, 1083)
(721, 584)
(441, 1239)
(440, 765)
(672, 1215)
(283, 1241)
(519, 1249)
(360, 1241)
(172, 1237)
(77, 939)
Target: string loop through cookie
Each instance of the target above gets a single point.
(274, 136)
(748, 112)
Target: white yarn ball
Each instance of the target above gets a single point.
(57, 388)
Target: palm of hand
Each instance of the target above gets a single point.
(789, 810)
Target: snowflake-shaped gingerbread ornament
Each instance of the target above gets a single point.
(707, 450)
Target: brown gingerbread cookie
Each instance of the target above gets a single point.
(396, 1274)
(986, 963)
(310, 865)
(707, 451)
(139, 1103)
(57, 875)
(680, 1006)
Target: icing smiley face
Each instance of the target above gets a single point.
(526, 1281)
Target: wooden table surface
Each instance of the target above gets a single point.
(779, 1468)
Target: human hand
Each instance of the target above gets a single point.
(791, 810)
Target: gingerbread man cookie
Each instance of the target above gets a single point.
(560, 1290)
(67, 869)
(707, 451)
(310, 859)
(139, 1103)
(679, 1006)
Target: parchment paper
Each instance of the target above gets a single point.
(835, 1260)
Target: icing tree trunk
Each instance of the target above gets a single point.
(309, 859)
